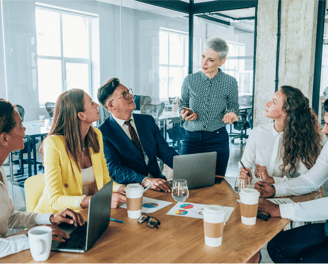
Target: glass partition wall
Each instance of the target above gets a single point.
(48, 47)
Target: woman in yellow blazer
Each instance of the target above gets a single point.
(74, 162)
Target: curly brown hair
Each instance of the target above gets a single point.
(302, 137)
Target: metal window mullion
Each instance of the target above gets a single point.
(90, 59)
(62, 53)
(168, 66)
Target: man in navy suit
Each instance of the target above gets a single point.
(132, 142)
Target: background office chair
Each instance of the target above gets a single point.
(103, 114)
(34, 187)
(50, 107)
(28, 144)
(245, 118)
(155, 110)
(141, 100)
(175, 133)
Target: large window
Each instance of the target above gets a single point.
(235, 66)
(63, 52)
(173, 62)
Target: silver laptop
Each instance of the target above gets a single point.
(197, 169)
(82, 238)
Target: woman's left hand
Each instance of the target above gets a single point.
(261, 172)
(229, 118)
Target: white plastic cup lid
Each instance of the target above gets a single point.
(134, 187)
(214, 209)
(249, 192)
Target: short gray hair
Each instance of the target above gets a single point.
(218, 45)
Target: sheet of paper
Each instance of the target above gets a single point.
(150, 205)
(281, 200)
(194, 210)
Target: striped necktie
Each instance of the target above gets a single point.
(134, 136)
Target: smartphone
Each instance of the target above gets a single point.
(188, 109)
(263, 215)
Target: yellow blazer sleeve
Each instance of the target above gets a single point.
(106, 176)
(61, 184)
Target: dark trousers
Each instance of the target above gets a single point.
(203, 141)
(305, 244)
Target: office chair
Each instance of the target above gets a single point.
(155, 110)
(242, 125)
(33, 191)
(103, 114)
(175, 133)
(141, 100)
(28, 144)
(50, 107)
(245, 118)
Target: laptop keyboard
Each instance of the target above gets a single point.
(77, 238)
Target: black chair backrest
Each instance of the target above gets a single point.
(21, 111)
(50, 107)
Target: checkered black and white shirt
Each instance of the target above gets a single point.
(210, 99)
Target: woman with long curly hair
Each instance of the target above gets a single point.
(288, 147)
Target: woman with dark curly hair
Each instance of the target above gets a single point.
(288, 147)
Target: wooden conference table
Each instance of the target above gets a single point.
(178, 239)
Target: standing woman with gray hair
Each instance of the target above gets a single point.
(212, 97)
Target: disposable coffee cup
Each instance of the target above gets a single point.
(134, 194)
(249, 201)
(213, 225)
(41, 118)
(40, 239)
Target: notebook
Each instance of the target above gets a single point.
(82, 238)
(197, 169)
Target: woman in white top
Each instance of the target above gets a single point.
(11, 139)
(288, 147)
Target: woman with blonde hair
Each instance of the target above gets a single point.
(74, 162)
(12, 134)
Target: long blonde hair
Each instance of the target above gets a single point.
(66, 123)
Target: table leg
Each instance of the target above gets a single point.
(29, 156)
(34, 156)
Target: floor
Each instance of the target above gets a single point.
(236, 151)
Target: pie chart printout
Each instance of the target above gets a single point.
(186, 206)
(150, 205)
(181, 212)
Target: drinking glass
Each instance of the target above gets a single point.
(241, 184)
(180, 191)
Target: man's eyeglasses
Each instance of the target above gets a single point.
(152, 222)
(126, 95)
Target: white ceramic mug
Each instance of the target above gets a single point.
(249, 201)
(213, 225)
(134, 194)
(40, 239)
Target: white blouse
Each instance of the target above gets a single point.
(88, 177)
(9, 218)
(264, 148)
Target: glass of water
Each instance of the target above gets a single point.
(180, 190)
(241, 184)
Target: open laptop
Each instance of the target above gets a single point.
(82, 238)
(197, 169)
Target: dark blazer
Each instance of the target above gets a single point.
(124, 161)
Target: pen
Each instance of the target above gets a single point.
(115, 220)
(245, 168)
